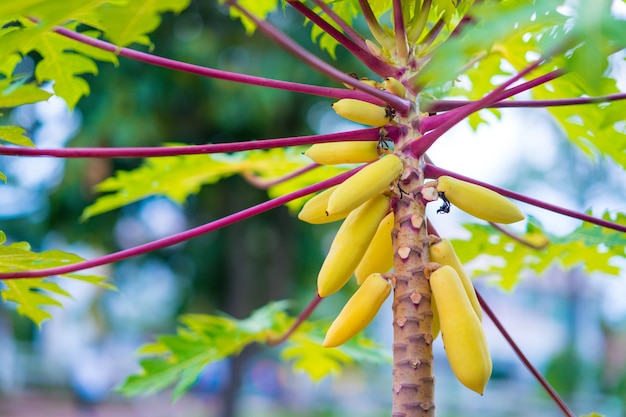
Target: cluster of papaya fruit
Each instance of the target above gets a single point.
(363, 244)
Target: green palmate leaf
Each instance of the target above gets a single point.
(590, 247)
(47, 12)
(314, 359)
(347, 10)
(130, 22)
(177, 360)
(62, 63)
(16, 94)
(63, 60)
(258, 8)
(596, 34)
(512, 22)
(32, 295)
(180, 176)
(174, 177)
(304, 349)
(594, 128)
(15, 135)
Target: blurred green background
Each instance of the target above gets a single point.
(70, 366)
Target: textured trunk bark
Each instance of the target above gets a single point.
(413, 381)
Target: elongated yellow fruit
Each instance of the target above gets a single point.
(353, 152)
(379, 254)
(363, 112)
(394, 87)
(358, 311)
(314, 210)
(349, 245)
(371, 180)
(479, 201)
(443, 253)
(461, 330)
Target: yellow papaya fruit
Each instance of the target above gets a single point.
(350, 244)
(462, 332)
(359, 311)
(478, 201)
(373, 179)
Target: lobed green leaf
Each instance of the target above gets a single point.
(177, 177)
(177, 360)
(589, 247)
(258, 8)
(33, 294)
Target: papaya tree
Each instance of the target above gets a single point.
(424, 67)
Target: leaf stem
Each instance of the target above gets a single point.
(354, 35)
(183, 236)
(401, 105)
(430, 37)
(517, 237)
(374, 26)
(433, 171)
(544, 383)
(218, 74)
(402, 50)
(372, 134)
(440, 105)
(419, 21)
(271, 341)
(430, 123)
(263, 183)
(421, 145)
(361, 53)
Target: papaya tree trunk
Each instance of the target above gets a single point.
(413, 381)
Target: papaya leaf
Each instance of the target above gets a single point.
(496, 23)
(177, 177)
(307, 354)
(15, 135)
(258, 8)
(16, 94)
(590, 247)
(130, 22)
(174, 177)
(314, 359)
(596, 129)
(177, 360)
(62, 62)
(347, 10)
(32, 295)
